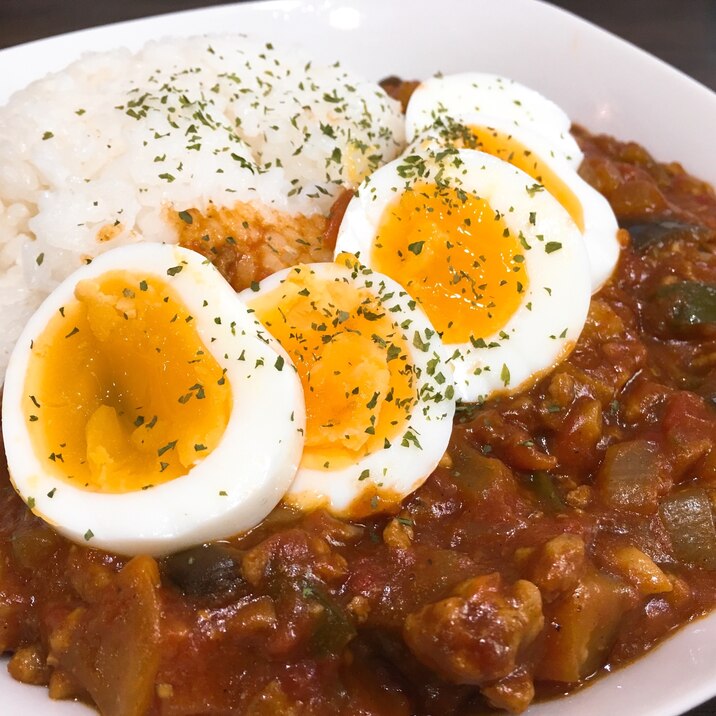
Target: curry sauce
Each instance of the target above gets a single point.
(568, 530)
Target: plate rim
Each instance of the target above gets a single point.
(16, 53)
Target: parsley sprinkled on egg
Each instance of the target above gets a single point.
(499, 269)
(144, 395)
(379, 395)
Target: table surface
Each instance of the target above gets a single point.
(681, 33)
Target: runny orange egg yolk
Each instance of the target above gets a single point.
(354, 365)
(121, 394)
(455, 255)
(507, 148)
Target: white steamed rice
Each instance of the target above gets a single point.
(113, 141)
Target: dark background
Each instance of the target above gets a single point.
(681, 32)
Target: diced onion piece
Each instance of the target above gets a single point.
(688, 518)
(630, 477)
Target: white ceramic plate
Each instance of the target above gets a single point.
(603, 82)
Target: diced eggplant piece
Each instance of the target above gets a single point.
(644, 235)
(581, 628)
(207, 570)
(684, 309)
(111, 648)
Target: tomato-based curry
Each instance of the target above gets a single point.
(568, 529)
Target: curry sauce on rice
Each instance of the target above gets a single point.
(555, 530)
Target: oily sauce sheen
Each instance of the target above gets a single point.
(568, 529)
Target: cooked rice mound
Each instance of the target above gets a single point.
(112, 149)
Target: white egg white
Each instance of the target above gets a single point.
(554, 305)
(495, 99)
(600, 232)
(397, 470)
(231, 489)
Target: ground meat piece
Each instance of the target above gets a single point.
(557, 565)
(513, 693)
(477, 634)
(398, 534)
(510, 442)
(292, 554)
(29, 665)
(688, 431)
(576, 443)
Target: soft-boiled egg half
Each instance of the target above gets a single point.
(495, 261)
(494, 99)
(379, 396)
(145, 409)
(530, 152)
